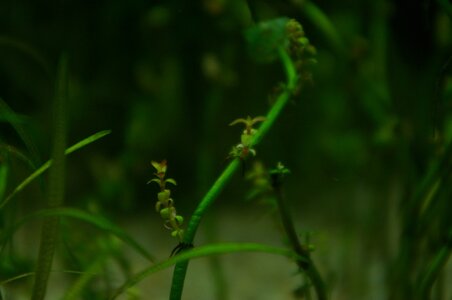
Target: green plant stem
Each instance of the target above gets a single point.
(180, 269)
(50, 227)
(304, 262)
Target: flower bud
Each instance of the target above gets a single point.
(164, 196)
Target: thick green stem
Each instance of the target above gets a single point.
(181, 268)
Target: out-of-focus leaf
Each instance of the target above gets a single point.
(95, 220)
(202, 252)
(265, 38)
(3, 178)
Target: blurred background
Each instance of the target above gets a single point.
(167, 77)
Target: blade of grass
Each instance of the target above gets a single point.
(96, 220)
(47, 164)
(3, 178)
(438, 262)
(27, 50)
(10, 150)
(50, 226)
(313, 13)
(200, 252)
(29, 274)
(76, 290)
(15, 121)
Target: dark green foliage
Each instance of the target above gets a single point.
(265, 38)
(363, 121)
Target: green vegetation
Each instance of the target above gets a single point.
(337, 160)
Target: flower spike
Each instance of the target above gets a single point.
(165, 204)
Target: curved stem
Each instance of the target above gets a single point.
(304, 262)
(180, 269)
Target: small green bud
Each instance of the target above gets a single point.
(177, 233)
(246, 139)
(311, 61)
(179, 220)
(164, 196)
(311, 50)
(303, 41)
(165, 213)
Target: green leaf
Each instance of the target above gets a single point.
(96, 220)
(265, 38)
(47, 164)
(199, 252)
(16, 121)
(154, 180)
(170, 180)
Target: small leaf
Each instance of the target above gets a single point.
(265, 38)
(170, 180)
(238, 121)
(160, 167)
(156, 180)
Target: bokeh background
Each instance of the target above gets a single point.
(167, 77)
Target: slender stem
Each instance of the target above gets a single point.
(305, 262)
(180, 269)
(55, 199)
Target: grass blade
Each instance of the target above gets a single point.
(437, 263)
(96, 220)
(199, 252)
(16, 122)
(48, 163)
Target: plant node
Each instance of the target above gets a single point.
(244, 149)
